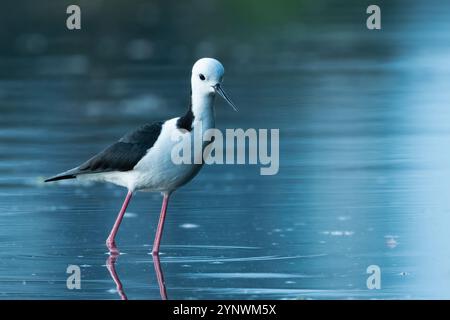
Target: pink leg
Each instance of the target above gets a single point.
(159, 231)
(160, 277)
(110, 242)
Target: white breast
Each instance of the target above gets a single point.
(156, 171)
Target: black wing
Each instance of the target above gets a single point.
(121, 156)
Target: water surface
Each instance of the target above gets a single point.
(364, 168)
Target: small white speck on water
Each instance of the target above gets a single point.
(189, 226)
(338, 233)
(391, 241)
(290, 282)
(113, 291)
(130, 215)
(343, 218)
(186, 265)
(217, 262)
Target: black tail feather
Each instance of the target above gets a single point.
(69, 174)
(61, 177)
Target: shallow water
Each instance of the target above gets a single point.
(364, 163)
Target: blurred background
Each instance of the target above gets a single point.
(364, 168)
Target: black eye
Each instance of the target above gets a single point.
(202, 77)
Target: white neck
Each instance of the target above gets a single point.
(203, 110)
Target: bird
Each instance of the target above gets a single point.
(141, 159)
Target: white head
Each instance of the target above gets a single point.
(207, 77)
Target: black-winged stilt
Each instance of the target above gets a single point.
(141, 160)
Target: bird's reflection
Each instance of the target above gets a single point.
(111, 265)
(160, 277)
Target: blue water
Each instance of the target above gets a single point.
(364, 163)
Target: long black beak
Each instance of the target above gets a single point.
(222, 93)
